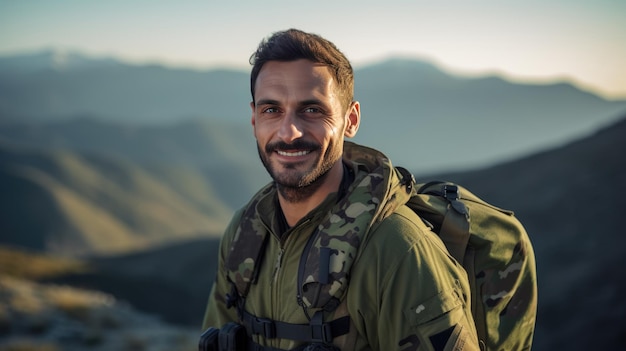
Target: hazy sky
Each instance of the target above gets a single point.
(581, 40)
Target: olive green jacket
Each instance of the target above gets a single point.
(405, 291)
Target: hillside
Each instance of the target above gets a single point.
(150, 280)
(219, 152)
(52, 317)
(73, 204)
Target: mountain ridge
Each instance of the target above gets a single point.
(52, 58)
(402, 100)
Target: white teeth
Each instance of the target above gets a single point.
(293, 154)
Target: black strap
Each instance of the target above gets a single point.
(407, 180)
(422, 189)
(316, 331)
(454, 230)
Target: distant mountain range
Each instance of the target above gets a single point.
(448, 122)
(43, 87)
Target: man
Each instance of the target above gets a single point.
(327, 256)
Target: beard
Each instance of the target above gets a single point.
(294, 182)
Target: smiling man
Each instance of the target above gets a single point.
(327, 256)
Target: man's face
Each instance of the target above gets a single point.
(299, 122)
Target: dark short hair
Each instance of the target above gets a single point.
(294, 44)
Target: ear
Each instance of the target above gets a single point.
(353, 119)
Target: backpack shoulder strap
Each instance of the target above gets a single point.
(439, 203)
(455, 224)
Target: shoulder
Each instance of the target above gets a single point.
(401, 266)
(401, 247)
(402, 230)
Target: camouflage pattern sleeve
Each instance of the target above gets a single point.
(216, 313)
(421, 299)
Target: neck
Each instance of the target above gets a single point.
(297, 202)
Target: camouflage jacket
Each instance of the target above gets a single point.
(393, 276)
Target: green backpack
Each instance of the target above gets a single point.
(497, 255)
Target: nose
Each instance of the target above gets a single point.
(290, 128)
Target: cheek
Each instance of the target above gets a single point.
(261, 130)
(333, 137)
(331, 130)
(327, 135)
(334, 131)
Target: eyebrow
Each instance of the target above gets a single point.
(311, 102)
(267, 102)
(301, 103)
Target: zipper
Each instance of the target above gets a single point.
(274, 287)
(278, 264)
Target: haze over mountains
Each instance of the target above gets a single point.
(135, 170)
(459, 123)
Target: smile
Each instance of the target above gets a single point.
(293, 153)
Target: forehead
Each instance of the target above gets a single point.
(300, 77)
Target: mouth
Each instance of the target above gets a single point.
(297, 150)
(293, 153)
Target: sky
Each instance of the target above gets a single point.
(583, 41)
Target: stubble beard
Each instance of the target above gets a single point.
(296, 186)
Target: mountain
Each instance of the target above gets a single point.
(453, 122)
(456, 123)
(75, 204)
(38, 88)
(53, 59)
